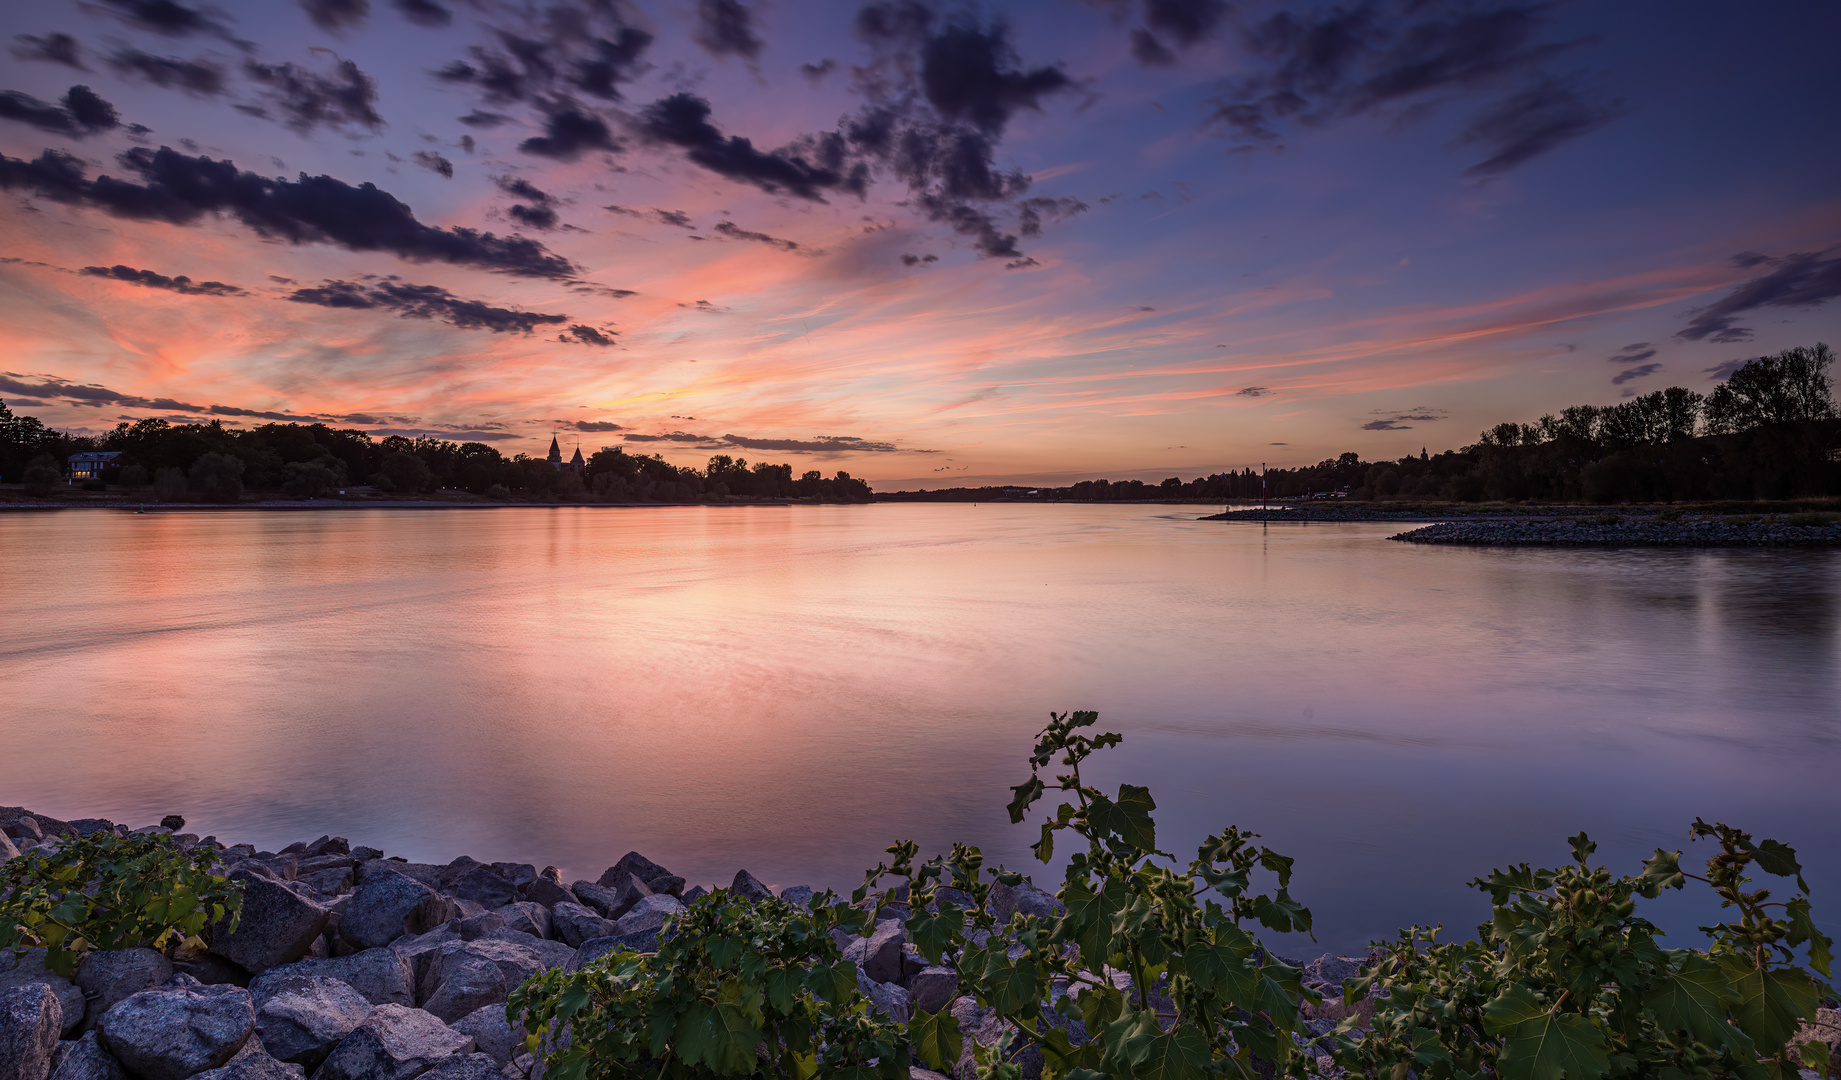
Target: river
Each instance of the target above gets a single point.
(791, 689)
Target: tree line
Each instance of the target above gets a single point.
(1770, 431)
(215, 463)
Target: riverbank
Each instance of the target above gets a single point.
(1611, 530)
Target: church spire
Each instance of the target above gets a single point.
(556, 453)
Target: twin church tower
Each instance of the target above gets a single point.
(574, 465)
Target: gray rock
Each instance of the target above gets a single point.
(749, 887)
(492, 1033)
(87, 1060)
(255, 1067)
(172, 1033)
(211, 970)
(332, 881)
(463, 976)
(107, 976)
(934, 988)
(631, 865)
(1025, 898)
(477, 926)
(797, 895)
(380, 975)
(394, 1043)
(483, 885)
(649, 913)
(386, 905)
(173, 822)
(608, 903)
(693, 893)
(29, 969)
(551, 953)
(313, 864)
(596, 948)
(30, 1019)
(526, 916)
(329, 845)
(475, 1066)
(276, 927)
(7, 848)
(886, 998)
(86, 826)
(21, 823)
(549, 893)
(575, 924)
(519, 874)
(304, 1017)
(879, 955)
(420, 948)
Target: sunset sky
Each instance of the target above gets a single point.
(932, 245)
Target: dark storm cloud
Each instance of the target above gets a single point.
(664, 217)
(515, 71)
(1032, 211)
(823, 444)
(1187, 22)
(149, 279)
(81, 112)
(480, 119)
(165, 17)
(337, 16)
(1385, 425)
(1641, 371)
(200, 77)
(424, 12)
(1254, 391)
(585, 335)
(590, 425)
(52, 49)
(614, 61)
(911, 259)
(587, 47)
(434, 162)
(309, 99)
(568, 132)
(726, 28)
(1397, 54)
(1722, 372)
(1745, 260)
(538, 210)
(95, 396)
(675, 436)
(819, 70)
(971, 73)
(1403, 421)
(422, 302)
(1633, 354)
(683, 120)
(1147, 50)
(181, 190)
(1529, 123)
(735, 232)
(1805, 280)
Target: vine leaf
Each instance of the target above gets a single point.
(1695, 999)
(936, 1036)
(1771, 1001)
(1542, 1045)
(1803, 928)
(1180, 1054)
(1025, 795)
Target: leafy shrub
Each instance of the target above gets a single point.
(1566, 978)
(736, 988)
(169, 485)
(1813, 518)
(1668, 516)
(42, 476)
(1608, 519)
(1743, 519)
(104, 891)
(218, 477)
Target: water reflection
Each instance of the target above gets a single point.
(791, 689)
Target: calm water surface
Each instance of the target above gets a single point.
(792, 689)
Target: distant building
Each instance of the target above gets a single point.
(89, 464)
(556, 454)
(575, 464)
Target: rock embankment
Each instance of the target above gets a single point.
(1610, 530)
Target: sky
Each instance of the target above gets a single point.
(930, 244)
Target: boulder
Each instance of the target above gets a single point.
(276, 926)
(386, 905)
(550, 953)
(211, 970)
(18, 822)
(328, 845)
(107, 976)
(608, 903)
(483, 885)
(304, 1017)
(88, 826)
(394, 1043)
(87, 1060)
(797, 895)
(492, 1033)
(526, 917)
(314, 864)
(649, 913)
(173, 822)
(467, 1067)
(693, 893)
(886, 998)
(7, 848)
(549, 893)
(463, 976)
(173, 1032)
(30, 1019)
(879, 955)
(749, 887)
(631, 865)
(575, 924)
(420, 948)
(380, 975)
(477, 926)
(28, 969)
(933, 988)
(331, 881)
(254, 1062)
(1026, 898)
(519, 874)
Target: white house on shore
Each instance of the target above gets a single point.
(88, 464)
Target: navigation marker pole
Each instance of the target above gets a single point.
(1262, 486)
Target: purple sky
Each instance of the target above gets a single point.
(929, 244)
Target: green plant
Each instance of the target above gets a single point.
(1204, 998)
(1566, 980)
(104, 891)
(1813, 518)
(736, 988)
(1607, 519)
(1743, 519)
(1668, 515)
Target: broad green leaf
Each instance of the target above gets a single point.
(1780, 860)
(1695, 1000)
(1815, 1055)
(937, 1038)
(1771, 1001)
(1539, 1045)
(1013, 988)
(783, 985)
(718, 1037)
(1128, 818)
(1179, 1054)
(934, 934)
(1803, 928)
(832, 984)
(1025, 795)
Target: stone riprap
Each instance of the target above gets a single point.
(1613, 530)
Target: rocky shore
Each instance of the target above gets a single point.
(1611, 530)
(349, 964)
